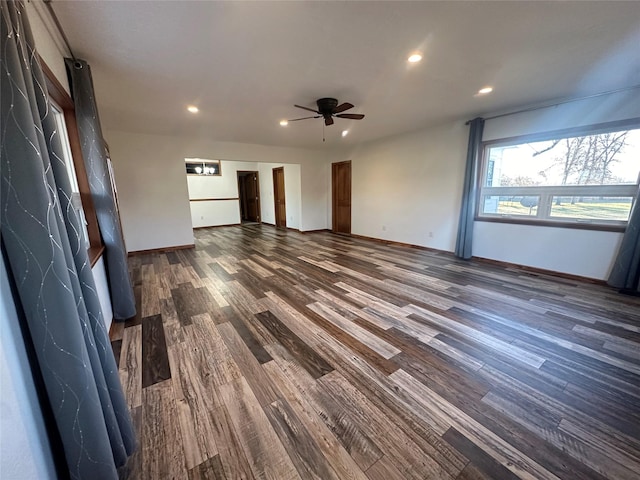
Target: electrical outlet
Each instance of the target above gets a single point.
(430, 234)
(384, 228)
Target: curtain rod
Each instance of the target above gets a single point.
(559, 102)
(59, 27)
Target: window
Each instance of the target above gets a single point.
(64, 114)
(195, 166)
(585, 179)
(71, 172)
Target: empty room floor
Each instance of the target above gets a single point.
(267, 353)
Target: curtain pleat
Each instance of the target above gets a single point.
(625, 274)
(468, 209)
(41, 233)
(95, 158)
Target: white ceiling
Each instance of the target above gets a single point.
(246, 63)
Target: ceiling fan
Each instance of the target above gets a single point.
(329, 108)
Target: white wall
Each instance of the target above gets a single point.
(407, 188)
(215, 213)
(153, 192)
(23, 441)
(49, 43)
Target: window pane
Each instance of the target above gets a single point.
(592, 208)
(601, 159)
(76, 201)
(203, 168)
(503, 205)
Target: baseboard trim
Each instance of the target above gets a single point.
(320, 230)
(218, 226)
(161, 250)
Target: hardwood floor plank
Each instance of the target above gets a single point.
(495, 446)
(483, 462)
(341, 461)
(359, 445)
(232, 457)
(265, 453)
(210, 354)
(308, 359)
(383, 469)
(303, 449)
(162, 450)
(211, 469)
(376, 344)
(116, 346)
(155, 361)
(248, 337)
(247, 364)
(130, 369)
(194, 402)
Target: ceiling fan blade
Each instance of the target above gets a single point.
(307, 108)
(352, 116)
(303, 118)
(328, 121)
(341, 108)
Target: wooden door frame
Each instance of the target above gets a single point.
(257, 174)
(275, 197)
(334, 194)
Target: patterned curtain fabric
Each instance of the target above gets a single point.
(625, 274)
(468, 210)
(48, 262)
(95, 159)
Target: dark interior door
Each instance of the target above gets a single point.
(249, 196)
(341, 197)
(279, 198)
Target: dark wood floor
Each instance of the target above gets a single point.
(267, 353)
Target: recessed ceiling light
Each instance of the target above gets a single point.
(345, 133)
(485, 90)
(193, 109)
(414, 58)
(284, 123)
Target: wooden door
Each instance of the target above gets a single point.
(249, 195)
(278, 197)
(341, 197)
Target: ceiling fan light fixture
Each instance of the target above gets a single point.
(284, 123)
(485, 90)
(193, 109)
(414, 57)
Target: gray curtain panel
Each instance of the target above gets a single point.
(95, 159)
(468, 210)
(625, 274)
(48, 262)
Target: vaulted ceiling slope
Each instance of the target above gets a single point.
(245, 64)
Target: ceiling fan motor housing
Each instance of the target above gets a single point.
(326, 106)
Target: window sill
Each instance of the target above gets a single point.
(553, 224)
(95, 253)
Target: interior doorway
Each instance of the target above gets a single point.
(341, 197)
(279, 197)
(249, 196)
